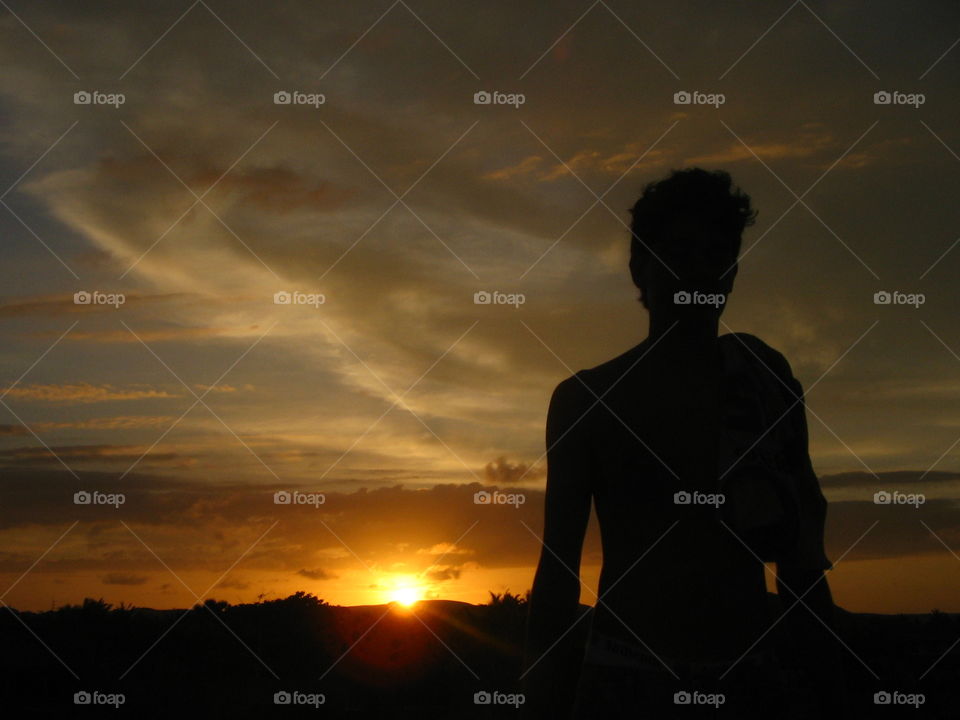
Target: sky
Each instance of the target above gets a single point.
(184, 201)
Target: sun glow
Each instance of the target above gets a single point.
(405, 591)
(405, 596)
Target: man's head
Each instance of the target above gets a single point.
(686, 233)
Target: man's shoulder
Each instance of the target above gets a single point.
(748, 339)
(594, 381)
(599, 377)
(752, 347)
(742, 343)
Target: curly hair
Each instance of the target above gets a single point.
(706, 198)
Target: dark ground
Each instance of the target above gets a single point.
(417, 663)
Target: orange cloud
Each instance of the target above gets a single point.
(315, 574)
(125, 336)
(122, 422)
(61, 304)
(13, 431)
(615, 163)
(524, 167)
(503, 471)
(83, 393)
(221, 388)
(808, 143)
(82, 453)
(118, 578)
(278, 189)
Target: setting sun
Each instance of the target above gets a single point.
(406, 596)
(404, 590)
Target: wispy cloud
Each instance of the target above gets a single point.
(82, 393)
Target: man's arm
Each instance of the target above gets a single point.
(811, 630)
(549, 657)
(811, 620)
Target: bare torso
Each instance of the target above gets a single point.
(673, 576)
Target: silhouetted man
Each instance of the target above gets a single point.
(693, 450)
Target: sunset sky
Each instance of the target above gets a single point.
(397, 199)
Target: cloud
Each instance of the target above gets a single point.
(888, 479)
(900, 530)
(503, 471)
(54, 305)
(123, 454)
(222, 388)
(315, 574)
(443, 574)
(524, 167)
(300, 204)
(145, 335)
(199, 524)
(805, 145)
(80, 393)
(204, 527)
(278, 189)
(444, 549)
(120, 422)
(632, 156)
(118, 578)
(13, 431)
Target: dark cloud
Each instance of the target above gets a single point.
(441, 574)
(315, 574)
(279, 189)
(900, 530)
(54, 305)
(82, 393)
(200, 525)
(503, 471)
(121, 454)
(893, 479)
(118, 578)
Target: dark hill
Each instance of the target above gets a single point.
(376, 661)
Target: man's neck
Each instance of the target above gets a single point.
(686, 331)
